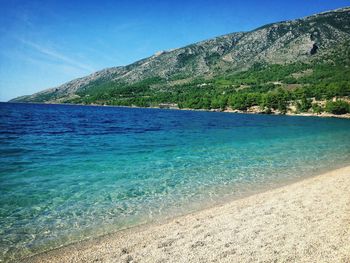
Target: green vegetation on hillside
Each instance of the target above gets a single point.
(292, 66)
(270, 87)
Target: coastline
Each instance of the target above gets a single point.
(305, 221)
(322, 115)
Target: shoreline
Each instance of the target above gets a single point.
(211, 233)
(305, 114)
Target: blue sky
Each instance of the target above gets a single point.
(46, 43)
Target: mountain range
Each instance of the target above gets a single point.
(297, 51)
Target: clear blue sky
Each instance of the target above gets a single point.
(46, 43)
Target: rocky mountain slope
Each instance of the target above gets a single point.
(307, 40)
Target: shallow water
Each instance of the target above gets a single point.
(72, 172)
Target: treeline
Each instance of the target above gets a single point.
(270, 87)
(276, 99)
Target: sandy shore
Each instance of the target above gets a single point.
(307, 221)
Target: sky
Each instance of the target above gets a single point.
(46, 43)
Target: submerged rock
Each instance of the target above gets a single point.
(314, 49)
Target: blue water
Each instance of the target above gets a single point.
(72, 172)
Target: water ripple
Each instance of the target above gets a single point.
(70, 172)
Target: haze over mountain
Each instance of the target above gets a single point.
(309, 41)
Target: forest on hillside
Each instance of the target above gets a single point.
(303, 87)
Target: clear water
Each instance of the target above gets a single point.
(72, 172)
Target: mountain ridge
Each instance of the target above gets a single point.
(303, 40)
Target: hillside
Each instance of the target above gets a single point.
(287, 66)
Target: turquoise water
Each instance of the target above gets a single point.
(72, 172)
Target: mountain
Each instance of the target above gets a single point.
(274, 56)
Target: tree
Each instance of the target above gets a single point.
(316, 108)
(338, 107)
(304, 105)
(277, 100)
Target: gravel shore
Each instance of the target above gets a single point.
(307, 221)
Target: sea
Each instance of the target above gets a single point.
(69, 173)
